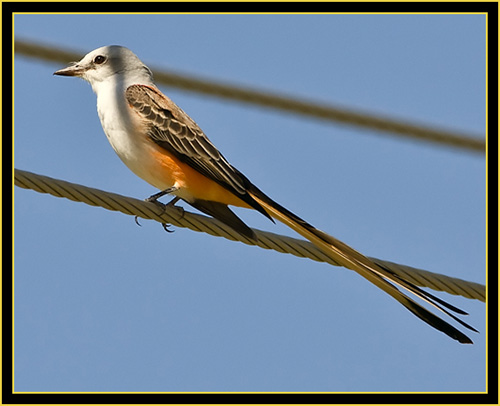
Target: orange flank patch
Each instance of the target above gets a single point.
(167, 170)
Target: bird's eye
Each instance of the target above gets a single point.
(99, 59)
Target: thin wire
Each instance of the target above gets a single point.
(180, 218)
(287, 103)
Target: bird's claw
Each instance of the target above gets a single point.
(154, 199)
(166, 226)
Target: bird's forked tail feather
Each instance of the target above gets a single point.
(375, 273)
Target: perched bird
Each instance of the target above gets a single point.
(161, 144)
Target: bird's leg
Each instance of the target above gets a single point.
(171, 203)
(154, 199)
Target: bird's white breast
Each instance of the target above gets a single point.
(124, 130)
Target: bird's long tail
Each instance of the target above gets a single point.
(377, 274)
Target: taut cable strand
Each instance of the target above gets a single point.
(180, 218)
(290, 104)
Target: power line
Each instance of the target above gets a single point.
(286, 103)
(180, 218)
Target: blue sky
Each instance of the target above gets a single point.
(104, 305)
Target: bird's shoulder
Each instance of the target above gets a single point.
(150, 102)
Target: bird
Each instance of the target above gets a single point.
(164, 146)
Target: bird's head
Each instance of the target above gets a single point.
(109, 63)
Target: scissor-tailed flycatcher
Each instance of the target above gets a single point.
(164, 146)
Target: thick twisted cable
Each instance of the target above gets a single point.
(473, 143)
(180, 218)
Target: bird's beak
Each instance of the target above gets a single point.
(72, 70)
